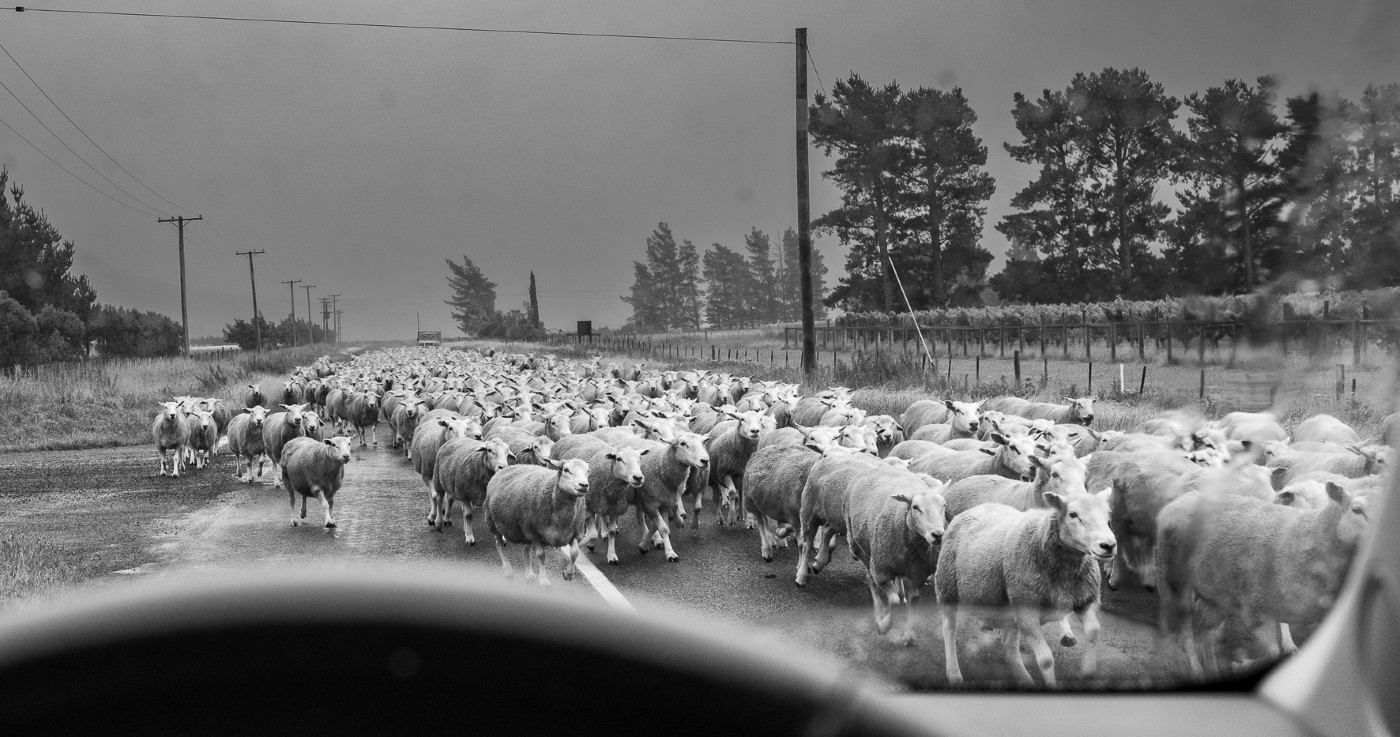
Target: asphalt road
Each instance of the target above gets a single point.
(112, 503)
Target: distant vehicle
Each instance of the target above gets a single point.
(429, 337)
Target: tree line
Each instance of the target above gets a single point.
(473, 304)
(676, 288)
(48, 313)
(1137, 194)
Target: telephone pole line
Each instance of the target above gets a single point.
(310, 336)
(184, 309)
(325, 316)
(335, 321)
(292, 287)
(257, 324)
(804, 215)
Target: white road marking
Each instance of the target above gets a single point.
(602, 585)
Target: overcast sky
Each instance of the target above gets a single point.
(360, 159)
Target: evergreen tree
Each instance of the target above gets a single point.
(245, 333)
(687, 305)
(473, 300)
(789, 280)
(1232, 197)
(36, 272)
(1313, 163)
(533, 316)
(665, 294)
(725, 275)
(1375, 174)
(646, 301)
(760, 303)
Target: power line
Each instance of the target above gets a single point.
(84, 182)
(397, 26)
(818, 73)
(85, 135)
(154, 211)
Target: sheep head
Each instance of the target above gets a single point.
(1083, 523)
(923, 510)
(340, 447)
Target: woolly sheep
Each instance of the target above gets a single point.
(939, 432)
(1256, 427)
(170, 433)
(278, 429)
(773, 482)
(614, 476)
(1353, 461)
(888, 433)
(362, 413)
(1063, 476)
(666, 468)
(314, 468)
(894, 524)
(1079, 411)
(1011, 459)
(730, 445)
(1264, 563)
(963, 415)
(913, 450)
(539, 507)
(823, 506)
(203, 436)
(1029, 567)
(252, 396)
(1324, 429)
(463, 468)
(245, 441)
(403, 419)
(428, 439)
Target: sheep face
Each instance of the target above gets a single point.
(924, 513)
(498, 454)
(258, 415)
(459, 427)
(573, 476)
(627, 465)
(1354, 520)
(1081, 410)
(1017, 455)
(204, 419)
(542, 447)
(170, 411)
(990, 419)
(294, 411)
(1207, 458)
(311, 423)
(559, 423)
(850, 436)
(821, 437)
(1065, 476)
(1083, 523)
(690, 449)
(884, 427)
(341, 447)
(963, 416)
(1057, 449)
(750, 423)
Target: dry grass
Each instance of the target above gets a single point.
(31, 567)
(111, 403)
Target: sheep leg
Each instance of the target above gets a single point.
(262, 460)
(292, 499)
(765, 544)
(539, 551)
(572, 552)
(1066, 633)
(699, 504)
(1285, 640)
(505, 562)
(592, 530)
(664, 530)
(374, 434)
(826, 540)
(909, 595)
(328, 504)
(276, 475)
(884, 617)
(950, 643)
(1029, 625)
(163, 456)
(304, 499)
(1089, 619)
(467, 524)
(804, 550)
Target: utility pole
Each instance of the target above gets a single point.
(257, 324)
(335, 321)
(804, 215)
(184, 310)
(310, 337)
(292, 287)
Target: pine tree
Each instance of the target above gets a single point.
(534, 314)
(1376, 180)
(473, 299)
(667, 276)
(687, 305)
(725, 275)
(789, 280)
(761, 303)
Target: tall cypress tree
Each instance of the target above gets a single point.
(534, 314)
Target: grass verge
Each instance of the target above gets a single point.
(32, 567)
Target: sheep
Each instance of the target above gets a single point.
(203, 436)
(894, 525)
(730, 445)
(314, 468)
(222, 414)
(463, 468)
(428, 438)
(279, 428)
(1390, 429)
(539, 507)
(362, 412)
(930, 411)
(939, 432)
(667, 468)
(1011, 459)
(1079, 411)
(810, 410)
(888, 433)
(1028, 568)
(1062, 476)
(404, 418)
(252, 396)
(1256, 427)
(843, 415)
(823, 505)
(1264, 563)
(614, 476)
(1324, 429)
(590, 419)
(245, 441)
(1353, 461)
(913, 450)
(171, 433)
(773, 482)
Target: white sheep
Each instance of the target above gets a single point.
(821, 516)
(203, 436)
(1353, 461)
(930, 411)
(170, 433)
(362, 414)
(278, 429)
(1027, 568)
(539, 507)
(1011, 459)
(730, 445)
(314, 468)
(894, 524)
(773, 482)
(614, 476)
(403, 419)
(464, 467)
(1224, 556)
(245, 441)
(666, 467)
(1063, 476)
(912, 450)
(428, 438)
(1256, 427)
(888, 433)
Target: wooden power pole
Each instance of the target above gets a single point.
(184, 309)
(804, 214)
(310, 337)
(257, 324)
(292, 287)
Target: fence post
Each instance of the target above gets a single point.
(1356, 344)
(1045, 370)
(1142, 349)
(1016, 365)
(1042, 337)
(1088, 353)
(1091, 378)
(1169, 340)
(1202, 394)
(1201, 342)
(1142, 383)
(1064, 333)
(979, 370)
(1113, 342)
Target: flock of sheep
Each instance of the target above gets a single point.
(1017, 510)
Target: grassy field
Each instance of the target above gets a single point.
(112, 403)
(31, 567)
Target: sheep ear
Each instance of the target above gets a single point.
(1285, 497)
(554, 464)
(949, 404)
(1038, 461)
(1336, 493)
(902, 498)
(610, 456)
(328, 441)
(442, 421)
(1276, 477)
(510, 457)
(1055, 501)
(998, 438)
(644, 451)
(988, 451)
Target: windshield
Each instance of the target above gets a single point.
(1061, 355)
